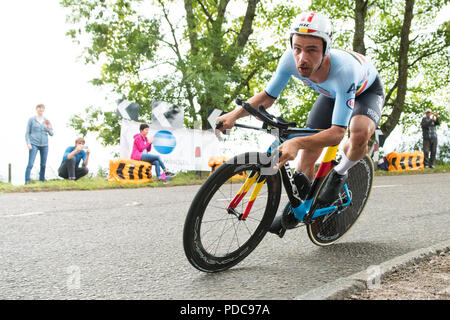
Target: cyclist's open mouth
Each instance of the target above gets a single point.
(303, 69)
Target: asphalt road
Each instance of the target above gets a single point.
(127, 244)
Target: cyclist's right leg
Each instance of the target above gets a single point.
(319, 118)
(307, 161)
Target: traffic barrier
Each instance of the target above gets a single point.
(405, 161)
(215, 161)
(130, 171)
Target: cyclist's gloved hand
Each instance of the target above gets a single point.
(289, 150)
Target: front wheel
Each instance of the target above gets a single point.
(326, 230)
(217, 233)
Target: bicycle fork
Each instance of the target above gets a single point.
(253, 178)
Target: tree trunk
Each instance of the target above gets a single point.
(360, 17)
(402, 87)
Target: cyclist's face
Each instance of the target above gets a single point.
(308, 53)
(145, 132)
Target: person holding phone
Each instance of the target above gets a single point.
(429, 135)
(36, 136)
(70, 166)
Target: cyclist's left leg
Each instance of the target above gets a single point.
(361, 129)
(365, 118)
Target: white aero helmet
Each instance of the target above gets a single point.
(313, 24)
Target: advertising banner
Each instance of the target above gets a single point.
(180, 149)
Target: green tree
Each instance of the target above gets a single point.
(214, 51)
(201, 59)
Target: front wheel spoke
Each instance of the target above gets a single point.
(219, 237)
(251, 219)
(219, 208)
(217, 220)
(227, 196)
(249, 232)
(234, 236)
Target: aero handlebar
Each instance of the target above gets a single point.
(262, 115)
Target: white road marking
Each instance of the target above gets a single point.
(388, 186)
(23, 214)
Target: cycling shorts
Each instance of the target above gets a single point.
(369, 103)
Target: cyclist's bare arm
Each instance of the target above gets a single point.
(326, 138)
(230, 118)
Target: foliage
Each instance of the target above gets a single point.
(200, 60)
(214, 51)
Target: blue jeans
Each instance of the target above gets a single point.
(32, 156)
(155, 161)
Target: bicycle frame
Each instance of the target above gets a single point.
(305, 211)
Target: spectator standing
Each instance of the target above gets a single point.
(36, 136)
(429, 123)
(70, 165)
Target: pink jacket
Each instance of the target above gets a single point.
(139, 145)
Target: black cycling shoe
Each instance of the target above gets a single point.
(277, 227)
(285, 221)
(333, 187)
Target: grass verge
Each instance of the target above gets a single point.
(181, 179)
(97, 183)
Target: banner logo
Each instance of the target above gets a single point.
(164, 142)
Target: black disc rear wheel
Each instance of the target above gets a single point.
(328, 229)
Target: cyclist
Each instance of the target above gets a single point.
(351, 94)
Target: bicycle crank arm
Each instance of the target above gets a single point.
(315, 213)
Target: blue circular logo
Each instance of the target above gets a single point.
(164, 142)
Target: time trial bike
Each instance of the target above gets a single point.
(235, 207)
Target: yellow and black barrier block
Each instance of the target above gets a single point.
(130, 171)
(405, 161)
(215, 161)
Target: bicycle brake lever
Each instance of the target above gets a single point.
(218, 132)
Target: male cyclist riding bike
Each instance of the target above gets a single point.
(351, 94)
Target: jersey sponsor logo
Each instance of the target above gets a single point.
(373, 115)
(352, 88)
(350, 103)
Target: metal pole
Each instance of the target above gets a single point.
(9, 172)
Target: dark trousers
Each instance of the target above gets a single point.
(68, 170)
(429, 151)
